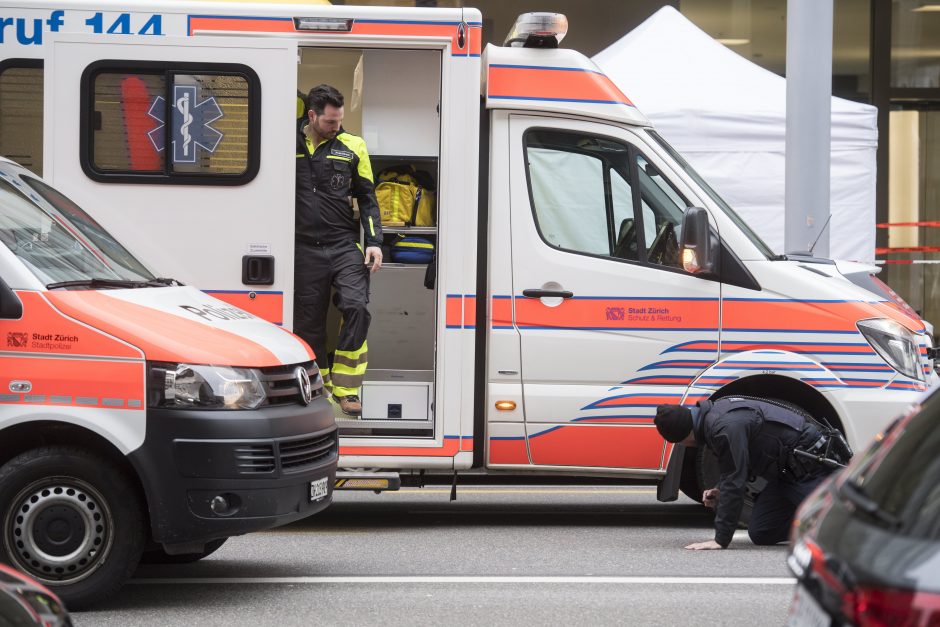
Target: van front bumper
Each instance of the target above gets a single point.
(867, 412)
(215, 474)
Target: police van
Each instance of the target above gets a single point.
(138, 416)
(582, 272)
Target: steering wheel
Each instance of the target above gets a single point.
(657, 248)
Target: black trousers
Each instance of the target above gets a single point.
(775, 508)
(317, 270)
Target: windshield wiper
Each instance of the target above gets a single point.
(163, 281)
(110, 283)
(857, 495)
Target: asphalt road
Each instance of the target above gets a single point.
(496, 556)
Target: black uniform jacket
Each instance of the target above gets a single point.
(751, 439)
(328, 175)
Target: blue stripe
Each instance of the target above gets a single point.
(244, 17)
(789, 331)
(507, 437)
(525, 327)
(432, 23)
(545, 67)
(610, 102)
(242, 292)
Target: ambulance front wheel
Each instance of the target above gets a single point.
(71, 520)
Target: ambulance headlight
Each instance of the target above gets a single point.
(187, 386)
(895, 344)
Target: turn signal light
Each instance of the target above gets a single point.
(505, 405)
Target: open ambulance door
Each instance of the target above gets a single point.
(183, 148)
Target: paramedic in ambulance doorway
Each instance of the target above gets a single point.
(752, 438)
(333, 167)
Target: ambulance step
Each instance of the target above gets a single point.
(364, 480)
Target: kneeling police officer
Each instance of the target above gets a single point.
(754, 438)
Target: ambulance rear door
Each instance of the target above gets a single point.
(183, 148)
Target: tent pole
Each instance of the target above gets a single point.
(809, 93)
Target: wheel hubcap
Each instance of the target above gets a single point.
(60, 530)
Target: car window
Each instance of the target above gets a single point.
(903, 475)
(601, 197)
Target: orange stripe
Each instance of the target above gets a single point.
(787, 315)
(76, 378)
(549, 83)
(269, 307)
(450, 448)
(502, 312)
(469, 311)
(508, 452)
(241, 25)
(609, 447)
(472, 40)
(617, 314)
(453, 311)
(163, 336)
(43, 329)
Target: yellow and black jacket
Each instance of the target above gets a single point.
(328, 175)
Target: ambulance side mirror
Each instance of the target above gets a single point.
(698, 248)
(11, 308)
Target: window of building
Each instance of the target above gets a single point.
(915, 41)
(174, 123)
(21, 92)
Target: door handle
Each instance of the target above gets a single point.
(547, 293)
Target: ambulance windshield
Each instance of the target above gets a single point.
(58, 241)
(741, 224)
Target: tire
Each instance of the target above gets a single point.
(159, 556)
(72, 520)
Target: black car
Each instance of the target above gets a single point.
(865, 546)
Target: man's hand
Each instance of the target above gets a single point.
(710, 498)
(704, 546)
(374, 257)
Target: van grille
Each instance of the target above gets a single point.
(293, 455)
(281, 386)
(253, 459)
(299, 454)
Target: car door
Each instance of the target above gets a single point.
(609, 324)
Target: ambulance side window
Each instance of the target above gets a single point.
(663, 210)
(21, 91)
(601, 197)
(170, 123)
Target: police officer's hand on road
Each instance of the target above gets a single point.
(374, 256)
(704, 546)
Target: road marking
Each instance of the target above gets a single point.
(471, 579)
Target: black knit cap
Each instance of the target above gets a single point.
(674, 422)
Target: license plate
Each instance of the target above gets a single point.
(805, 611)
(319, 489)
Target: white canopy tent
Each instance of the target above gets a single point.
(727, 116)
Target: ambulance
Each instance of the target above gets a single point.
(583, 272)
(138, 416)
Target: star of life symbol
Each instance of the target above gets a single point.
(191, 122)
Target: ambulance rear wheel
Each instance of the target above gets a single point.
(71, 520)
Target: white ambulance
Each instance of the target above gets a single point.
(584, 272)
(137, 415)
